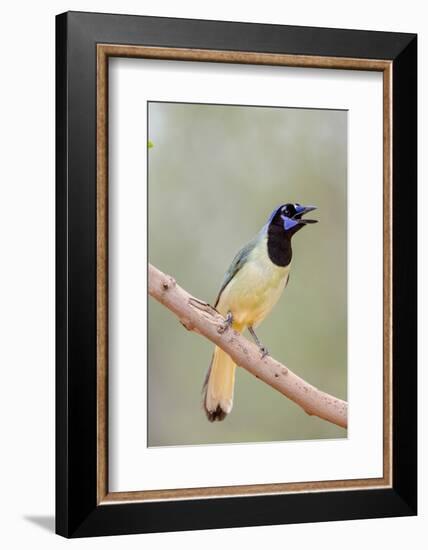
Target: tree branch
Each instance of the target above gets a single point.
(200, 317)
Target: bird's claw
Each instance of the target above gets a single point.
(227, 323)
(264, 351)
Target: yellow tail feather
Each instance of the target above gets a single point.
(218, 387)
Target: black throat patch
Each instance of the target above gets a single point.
(279, 246)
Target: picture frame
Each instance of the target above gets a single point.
(84, 44)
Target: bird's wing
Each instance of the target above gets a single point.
(237, 263)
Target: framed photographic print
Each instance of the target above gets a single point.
(236, 274)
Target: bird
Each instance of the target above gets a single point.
(251, 287)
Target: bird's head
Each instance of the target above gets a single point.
(288, 217)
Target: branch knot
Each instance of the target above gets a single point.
(168, 282)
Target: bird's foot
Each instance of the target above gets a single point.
(264, 351)
(227, 323)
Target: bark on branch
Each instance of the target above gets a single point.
(200, 317)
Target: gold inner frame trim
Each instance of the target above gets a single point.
(104, 51)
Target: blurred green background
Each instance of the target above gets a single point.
(215, 174)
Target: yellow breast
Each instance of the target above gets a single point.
(254, 290)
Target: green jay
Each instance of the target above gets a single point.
(251, 287)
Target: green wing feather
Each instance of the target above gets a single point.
(237, 263)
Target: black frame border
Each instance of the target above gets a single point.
(77, 512)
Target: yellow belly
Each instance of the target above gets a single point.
(254, 290)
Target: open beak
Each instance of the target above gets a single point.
(301, 210)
